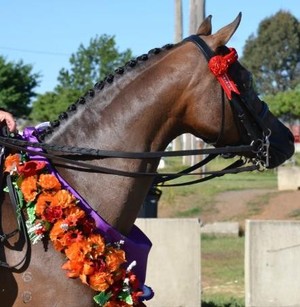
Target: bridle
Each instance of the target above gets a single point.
(253, 123)
(76, 157)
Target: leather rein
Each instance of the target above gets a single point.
(76, 157)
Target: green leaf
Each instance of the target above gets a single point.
(31, 214)
(20, 197)
(102, 298)
(126, 297)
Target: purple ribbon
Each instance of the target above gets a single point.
(136, 245)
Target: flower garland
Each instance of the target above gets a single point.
(54, 213)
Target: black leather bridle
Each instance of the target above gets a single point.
(256, 131)
(75, 157)
(257, 136)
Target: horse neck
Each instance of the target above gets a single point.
(137, 112)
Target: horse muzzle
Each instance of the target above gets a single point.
(282, 145)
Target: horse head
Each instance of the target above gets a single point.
(239, 117)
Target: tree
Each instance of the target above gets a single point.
(49, 105)
(88, 66)
(286, 104)
(17, 83)
(273, 56)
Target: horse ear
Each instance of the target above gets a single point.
(205, 27)
(222, 37)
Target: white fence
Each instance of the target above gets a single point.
(272, 262)
(174, 261)
(288, 178)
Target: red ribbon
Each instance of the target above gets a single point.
(219, 65)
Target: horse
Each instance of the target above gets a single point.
(142, 107)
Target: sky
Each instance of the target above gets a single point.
(45, 33)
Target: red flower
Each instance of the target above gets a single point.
(30, 168)
(134, 282)
(52, 214)
(88, 225)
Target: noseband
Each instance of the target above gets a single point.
(253, 123)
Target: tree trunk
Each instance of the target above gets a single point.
(197, 15)
(177, 143)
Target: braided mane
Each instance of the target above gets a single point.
(99, 86)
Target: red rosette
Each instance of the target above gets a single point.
(218, 65)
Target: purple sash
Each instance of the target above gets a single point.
(136, 245)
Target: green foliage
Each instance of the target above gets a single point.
(285, 104)
(17, 84)
(101, 298)
(49, 105)
(220, 301)
(93, 63)
(273, 55)
(88, 65)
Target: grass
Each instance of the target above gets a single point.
(192, 200)
(222, 257)
(222, 271)
(254, 207)
(295, 214)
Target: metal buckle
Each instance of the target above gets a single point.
(262, 150)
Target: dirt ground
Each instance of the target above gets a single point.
(255, 204)
(238, 206)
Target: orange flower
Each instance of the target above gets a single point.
(58, 246)
(29, 188)
(78, 250)
(70, 237)
(74, 214)
(56, 233)
(98, 244)
(100, 281)
(74, 268)
(65, 199)
(11, 162)
(114, 259)
(88, 268)
(49, 182)
(44, 200)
